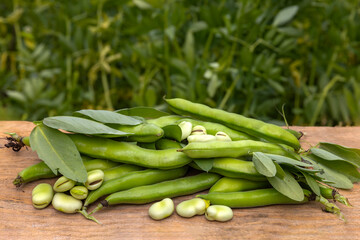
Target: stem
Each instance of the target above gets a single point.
(99, 207)
(330, 207)
(87, 215)
(322, 98)
(104, 80)
(331, 193)
(228, 93)
(69, 85)
(19, 44)
(16, 142)
(166, 54)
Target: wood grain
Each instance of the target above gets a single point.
(19, 220)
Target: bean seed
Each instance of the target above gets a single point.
(95, 179)
(219, 213)
(66, 203)
(192, 207)
(186, 128)
(63, 184)
(42, 195)
(79, 192)
(162, 209)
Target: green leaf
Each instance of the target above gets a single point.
(59, 152)
(351, 155)
(81, 125)
(205, 164)
(312, 184)
(325, 154)
(344, 168)
(109, 117)
(288, 161)
(285, 15)
(280, 173)
(333, 177)
(264, 164)
(172, 131)
(145, 112)
(287, 186)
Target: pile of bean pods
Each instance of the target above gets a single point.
(243, 162)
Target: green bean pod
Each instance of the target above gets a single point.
(34, 172)
(150, 145)
(41, 170)
(237, 122)
(145, 132)
(164, 143)
(119, 171)
(234, 168)
(232, 149)
(129, 153)
(165, 120)
(102, 164)
(212, 128)
(227, 184)
(134, 179)
(168, 189)
(253, 198)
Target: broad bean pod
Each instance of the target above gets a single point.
(165, 120)
(232, 149)
(234, 168)
(211, 127)
(119, 171)
(227, 184)
(145, 132)
(237, 122)
(41, 170)
(168, 189)
(164, 143)
(253, 198)
(129, 153)
(134, 179)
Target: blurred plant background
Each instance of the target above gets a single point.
(246, 56)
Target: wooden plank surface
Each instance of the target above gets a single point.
(19, 220)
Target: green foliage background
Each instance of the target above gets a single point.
(248, 56)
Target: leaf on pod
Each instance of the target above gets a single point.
(280, 173)
(59, 152)
(264, 164)
(105, 116)
(312, 184)
(287, 186)
(329, 175)
(145, 112)
(81, 125)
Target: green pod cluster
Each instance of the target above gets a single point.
(234, 168)
(145, 132)
(134, 179)
(227, 184)
(167, 189)
(253, 198)
(254, 127)
(129, 153)
(232, 149)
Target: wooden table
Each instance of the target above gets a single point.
(20, 220)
